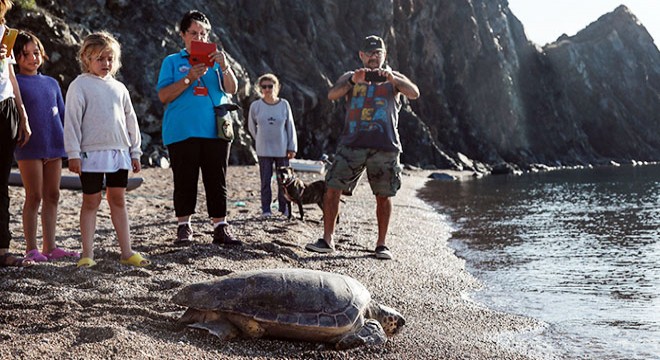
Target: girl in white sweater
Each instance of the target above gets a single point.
(102, 139)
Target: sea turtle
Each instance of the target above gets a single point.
(298, 304)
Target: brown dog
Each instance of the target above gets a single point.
(296, 191)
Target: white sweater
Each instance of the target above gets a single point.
(99, 115)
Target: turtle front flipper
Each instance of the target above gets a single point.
(247, 325)
(371, 333)
(220, 328)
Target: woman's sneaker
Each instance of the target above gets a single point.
(184, 234)
(222, 236)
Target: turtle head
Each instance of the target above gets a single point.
(391, 320)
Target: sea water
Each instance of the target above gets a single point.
(577, 249)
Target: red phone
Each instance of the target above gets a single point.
(199, 53)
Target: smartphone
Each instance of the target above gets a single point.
(373, 76)
(8, 38)
(199, 53)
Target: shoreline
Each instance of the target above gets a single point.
(116, 311)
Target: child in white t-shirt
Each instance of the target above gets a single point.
(102, 140)
(14, 130)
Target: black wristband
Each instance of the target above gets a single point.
(350, 80)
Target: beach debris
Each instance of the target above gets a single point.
(442, 176)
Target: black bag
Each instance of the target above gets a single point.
(223, 121)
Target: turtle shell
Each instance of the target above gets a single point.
(294, 297)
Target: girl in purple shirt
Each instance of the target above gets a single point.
(40, 160)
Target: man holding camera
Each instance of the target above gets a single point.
(370, 140)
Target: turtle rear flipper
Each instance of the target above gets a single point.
(371, 333)
(220, 328)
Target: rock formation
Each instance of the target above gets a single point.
(489, 96)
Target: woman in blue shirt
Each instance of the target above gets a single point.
(189, 93)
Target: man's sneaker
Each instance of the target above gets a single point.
(222, 236)
(184, 234)
(267, 215)
(320, 246)
(383, 252)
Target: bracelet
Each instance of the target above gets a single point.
(226, 69)
(350, 80)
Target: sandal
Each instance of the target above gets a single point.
(58, 253)
(86, 262)
(320, 246)
(383, 252)
(9, 260)
(35, 255)
(135, 260)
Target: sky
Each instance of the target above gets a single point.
(546, 20)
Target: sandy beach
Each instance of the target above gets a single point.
(54, 310)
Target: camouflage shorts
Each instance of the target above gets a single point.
(383, 170)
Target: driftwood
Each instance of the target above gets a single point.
(72, 182)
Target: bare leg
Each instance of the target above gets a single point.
(90, 207)
(383, 212)
(119, 215)
(32, 176)
(330, 212)
(51, 197)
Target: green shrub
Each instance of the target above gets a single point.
(26, 4)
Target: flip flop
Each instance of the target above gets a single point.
(86, 262)
(35, 255)
(8, 260)
(135, 260)
(58, 253)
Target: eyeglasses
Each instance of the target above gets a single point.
(378, 53)
(195, 34)
(269, 86)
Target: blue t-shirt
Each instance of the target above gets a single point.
(189, 115)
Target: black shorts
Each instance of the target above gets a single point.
(92, 182)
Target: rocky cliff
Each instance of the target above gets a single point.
(488, 94)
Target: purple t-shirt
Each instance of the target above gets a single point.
(43, 102)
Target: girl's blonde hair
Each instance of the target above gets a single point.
(96, 43)
(5, 5)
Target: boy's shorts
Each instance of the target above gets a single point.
(92, 182)
(383, 170)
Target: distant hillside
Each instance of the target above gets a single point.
(488, 94)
